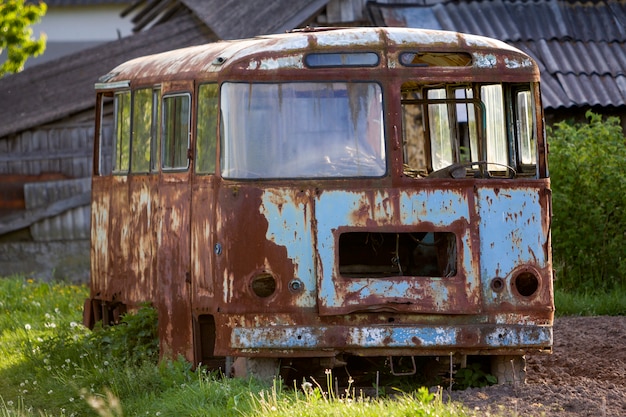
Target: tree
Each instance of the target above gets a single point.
(16, 33)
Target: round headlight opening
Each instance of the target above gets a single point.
(526, 284)
(263, 285)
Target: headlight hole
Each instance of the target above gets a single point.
(263, 285)
(526, 284)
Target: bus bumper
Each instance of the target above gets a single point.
(395, 340)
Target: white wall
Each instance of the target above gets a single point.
(70, 29)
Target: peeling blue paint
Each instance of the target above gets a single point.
(422, 209)
(289, 225)
(511, 232)
(369, 337)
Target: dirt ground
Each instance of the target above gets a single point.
(585, 375)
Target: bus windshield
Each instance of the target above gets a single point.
(302, 130)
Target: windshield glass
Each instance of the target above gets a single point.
(302, 130)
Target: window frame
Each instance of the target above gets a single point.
(225, 151)
(118, 151)
(165, 142)
(503, 142)
(202, 159)
(148, 128)
(522, 167)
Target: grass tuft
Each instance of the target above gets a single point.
(591, 303)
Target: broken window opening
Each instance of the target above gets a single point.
(460, 131)
(379, 255)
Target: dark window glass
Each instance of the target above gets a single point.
(122, 132)
(206, 128)
(156, 115)
(142, 130)
(348, 59)
(175, 132)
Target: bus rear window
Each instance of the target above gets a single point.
(346, 59)
(302, 130)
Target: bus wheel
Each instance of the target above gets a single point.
(509, 369)
(263, 369)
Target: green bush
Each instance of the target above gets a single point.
(589, 204)
(133, 341)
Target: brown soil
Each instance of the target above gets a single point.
(584, 376)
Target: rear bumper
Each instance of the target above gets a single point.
(391, 340)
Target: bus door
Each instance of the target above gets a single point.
(142, 196)
(203, 224)
(173, 260)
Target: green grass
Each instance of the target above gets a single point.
(590, 304)
(50, 365)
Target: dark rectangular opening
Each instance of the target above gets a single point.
(378, 255)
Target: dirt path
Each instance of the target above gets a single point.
(585, 376)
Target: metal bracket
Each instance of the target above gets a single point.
(410, 371)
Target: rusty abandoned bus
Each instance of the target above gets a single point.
(326, 197)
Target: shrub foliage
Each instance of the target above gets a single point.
(589, 204)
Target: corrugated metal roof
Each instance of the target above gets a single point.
(602, 58)
(533, 20)
(580, 47)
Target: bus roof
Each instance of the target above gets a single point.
(286, 52)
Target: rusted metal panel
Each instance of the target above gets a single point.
(514, 230)
(264, 55)
(437, 340)
(173, 278)
(101, 275)
(119, 241)
(203, 245)
(305, 225)
(245, 253)
(408, 211)
(143, 202)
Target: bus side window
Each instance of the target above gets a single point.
(154, 135)
(142, 130)
(175, 137)
(414, 143)
(441, 140)
(206, 130)
(105, 137)
(466, 125)
(495, 127)
(121, 138)
(525, 130)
